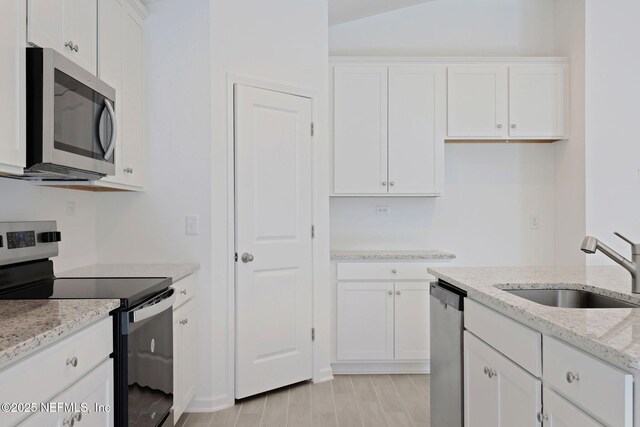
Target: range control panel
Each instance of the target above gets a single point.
(27, 241)
(21, 239)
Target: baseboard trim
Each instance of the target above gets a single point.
(394, 367)
(210, 404)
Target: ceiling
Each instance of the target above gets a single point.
(349, 10)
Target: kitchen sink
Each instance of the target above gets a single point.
(570, 298)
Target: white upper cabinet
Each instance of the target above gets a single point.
(69, 26)
(537, 101)
(416, 129)
(389, 129)
(508, 101)
(360, 130)
(477, 101)
(121, 65)
(12, 87)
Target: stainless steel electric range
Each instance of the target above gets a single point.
(142, 325)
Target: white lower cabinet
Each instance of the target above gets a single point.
(497, 391)
(365, 321)
(383, 321)
(561, 413)
(184, 346)
(95, 390)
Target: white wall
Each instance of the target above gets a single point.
(483, 217)
(570, 154)
(149, 227)
(613, 149)
(22, 201)
(452, 28)
(279, 41)
(491, 190)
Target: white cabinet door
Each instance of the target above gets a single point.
(416, 129)
(110, 14)
(537, 101)
(68, 26)
(412, 321)
(12, 87)
(477, 101)
(365, 321)
(481, 404)
(133, 116)
(497, 391)
(360, 130)
(184, 353)
(95, 390)
(561, 413)
(80, 27)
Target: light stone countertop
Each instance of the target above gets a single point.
(610, 334)
(175, 271)
(389, 255)
(27, 326)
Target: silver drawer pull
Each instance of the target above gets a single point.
(390, 292)
(69, 422)
(572, 377)
(73, 361)
(394, 271)
(78, 416)
(184, 321)
(489, 372)
(183, 291)
(398, 293)
(542, 417)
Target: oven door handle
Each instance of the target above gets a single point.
(151, 310)
(114, 130)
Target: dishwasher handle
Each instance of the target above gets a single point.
(154, 307)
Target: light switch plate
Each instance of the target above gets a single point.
(192, 225)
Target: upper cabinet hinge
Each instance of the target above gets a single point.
(313, 334)
(236, 257)
(313, 231)
(313, 129)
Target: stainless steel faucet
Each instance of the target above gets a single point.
(590, 245)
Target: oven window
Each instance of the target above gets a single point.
(150, 369)
(81, 120)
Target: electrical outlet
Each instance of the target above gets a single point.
(534, 222)
(192, 226)
(71, 208)
(382, 210)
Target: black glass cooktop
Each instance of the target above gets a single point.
(130, 291)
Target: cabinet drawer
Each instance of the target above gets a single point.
(185, 290)
(516, 341)
(585, 380)
(383, 271)
(42, 376)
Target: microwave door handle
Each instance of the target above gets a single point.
(152, 310)
(114, 130)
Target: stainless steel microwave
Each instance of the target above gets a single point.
(71, 120)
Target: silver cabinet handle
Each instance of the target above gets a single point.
(513, 126)
(69, 421)
(183, 291)
(390, 292)
(499, 126)
(572, 377)
(384, 183)
(392, 183)
(394, 271)
(114, 130)
(72, 361)
(184, 321)
(398, 293)
(542, 417)
(247, 257)
(127, 170)
(71, 46)
(78, 416)
(489, 372)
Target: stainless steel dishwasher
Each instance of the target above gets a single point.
(447, 326)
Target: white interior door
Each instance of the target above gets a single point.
(273, 239)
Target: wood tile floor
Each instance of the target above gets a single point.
(347, 401)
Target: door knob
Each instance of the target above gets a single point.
(247, 257)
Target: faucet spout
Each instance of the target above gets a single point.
(590, 245)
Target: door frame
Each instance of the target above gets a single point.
(232, 80)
